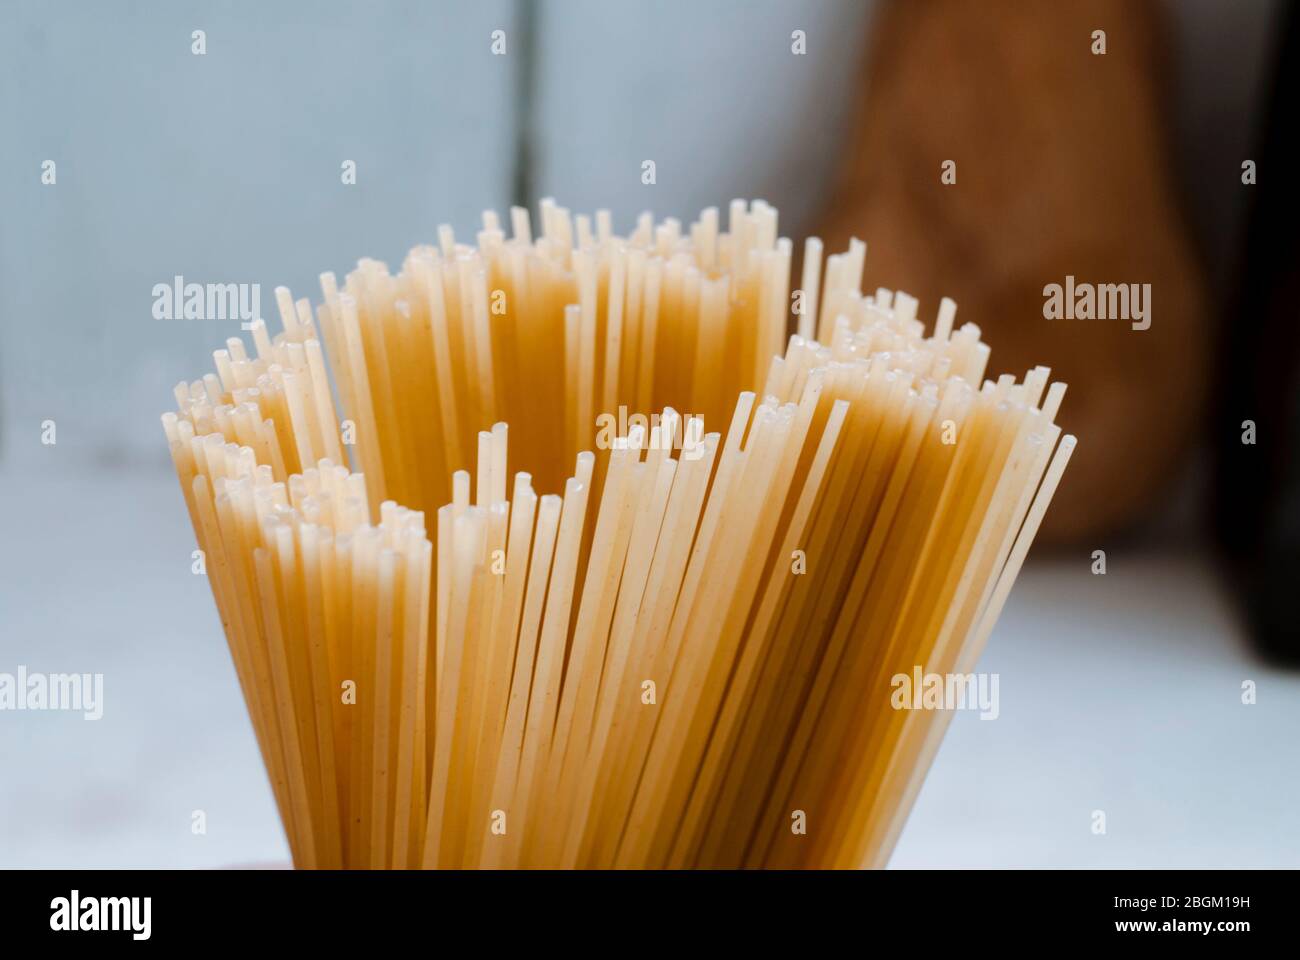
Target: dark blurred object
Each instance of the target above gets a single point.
(1063, 168)
(1257, 488)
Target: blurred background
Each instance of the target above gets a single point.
(1157, 159)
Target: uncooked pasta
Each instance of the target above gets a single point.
(667, 640)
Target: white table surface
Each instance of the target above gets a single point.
(1120, 693)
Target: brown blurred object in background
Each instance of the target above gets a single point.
(1062, 169)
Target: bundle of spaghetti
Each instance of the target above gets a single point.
(310, 593)
(544, 334)
(671, 661)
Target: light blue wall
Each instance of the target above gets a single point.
(225, 167)
(222, 168)
(716, 99)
